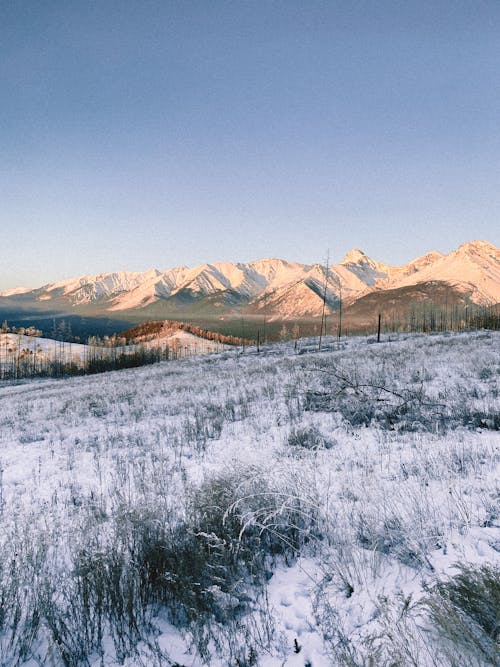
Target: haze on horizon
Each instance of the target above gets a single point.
(139, 135)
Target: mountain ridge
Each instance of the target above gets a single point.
(273, 286)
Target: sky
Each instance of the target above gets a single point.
(139, 134)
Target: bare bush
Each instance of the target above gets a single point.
(466, 610)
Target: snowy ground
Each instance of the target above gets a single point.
(19, 346)
(290, 508)
(13, 344)
(187, 343)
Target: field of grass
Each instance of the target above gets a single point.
(290, 508)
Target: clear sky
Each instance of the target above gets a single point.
(139, 134)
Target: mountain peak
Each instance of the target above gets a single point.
(355, 256)
(425, 260)
(476, 263)
(477, 247)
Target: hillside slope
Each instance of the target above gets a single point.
(278, 510)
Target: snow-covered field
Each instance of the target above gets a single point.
(13, 345)
(294, 508)
(20, 349)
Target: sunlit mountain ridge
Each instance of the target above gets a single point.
(284, 289)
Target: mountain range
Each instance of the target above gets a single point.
(272, 288)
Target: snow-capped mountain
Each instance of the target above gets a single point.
(284, 290)
(473, 268)
(15, 291)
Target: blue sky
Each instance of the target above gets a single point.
(141, 134)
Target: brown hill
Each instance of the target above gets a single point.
(148, 331)
(424, 306)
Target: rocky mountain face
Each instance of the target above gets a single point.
(275, 287)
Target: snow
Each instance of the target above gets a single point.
(15, 291)
(355, 256)
(14, 346)
(43, 348)
(104, 284)
(473, 267)
(295, 300)
(389, 488)
(188, 342)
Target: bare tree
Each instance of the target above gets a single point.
(323, 318)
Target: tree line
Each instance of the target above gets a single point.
(23, 356)
(150, 330)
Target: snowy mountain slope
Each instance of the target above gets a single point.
(160, 286)
(88, 288)
(366, 270)
(377, 275)
(293, 301)
(290, 289)
(16, 291)
(473, 267)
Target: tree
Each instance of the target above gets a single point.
(323, 318)
(283, 332)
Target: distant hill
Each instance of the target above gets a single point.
(154, 332)
(426, 304)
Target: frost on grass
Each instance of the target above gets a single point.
(288, 508)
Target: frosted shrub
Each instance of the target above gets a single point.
(244, 506)
(466, 610)
(308, 438)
